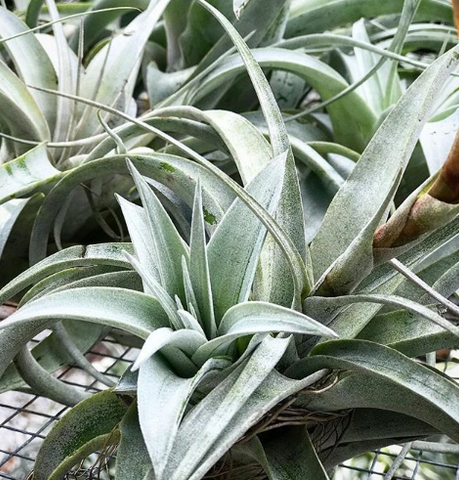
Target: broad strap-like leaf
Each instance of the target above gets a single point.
(66, 80)
(357, 261)
(160, 390)
(291, 455)
(290, 215)
(226, 414)
(247, 146)
(132, 459)
(141, 235)
(9, 214)
(405, 381)
(222, 404)
(130, 311)
(310, 17)
(168, 247)
(94, 417)
(328, 82)
(199, 267)
(233, 252)
(186, 340)
(21, 116)
(177, 173)
(254, 312)
(51, 355)
(120, 61)
(372, 429)
(43, 383)
(250, 318)
(77, 256)
(27, 174)
(369, 184)
(330, 303)
(31, 61)
(154, 288)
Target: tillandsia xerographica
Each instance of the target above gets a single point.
(287, 256)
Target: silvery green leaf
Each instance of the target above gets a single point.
(78, 276)
(96, 23)
(66, 79)
(256, 20)
(20, 115)
(251, 318)
(290, 215)
(351, 115)
(242, 139)
(254, 312)
(357, 261)
(186, 340)
(132, 459)
(161, 390)
(161, 85)
(228, 412)
(190, 322)
(374, 89)
(131, 311)
(221, 405)
(31, 61)
(30, 172)
(141, 235)
(168, 248)
(76, 429)
(155, 289)
(199, 267)
(354, 206)
(233, 253)
(9, 214)
(120, 61)
(408, 384)
(43, 383)
(51, 355)
(385, 428)
(103, 254)
(177, 173)
(328, 15)
(291, 455)
(192, 316)
(392, 300)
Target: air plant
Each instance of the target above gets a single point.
(231, 294)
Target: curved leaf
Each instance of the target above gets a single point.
(186, 340)
(368, 186)
(160, 389)
(132, 459)
(233, 253)
(131, 311)
(94, 417)
(333, 14)
(405, 382)
(250, 318)
(103, 254)
(31, 61)
(27, 174)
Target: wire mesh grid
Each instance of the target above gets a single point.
(25, 419)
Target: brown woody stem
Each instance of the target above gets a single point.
(446, 186)
(456, 13)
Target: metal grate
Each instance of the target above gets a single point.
(25, 419)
